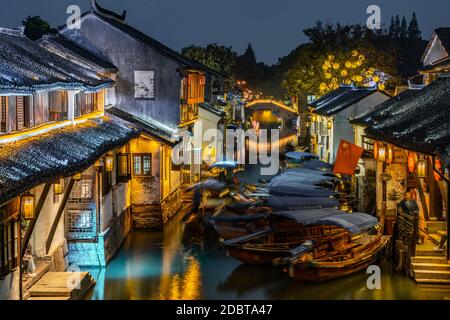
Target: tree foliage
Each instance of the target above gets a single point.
(219, 58)
(339, 54)
(36, 27)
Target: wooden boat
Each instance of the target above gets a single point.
(328, 229)
(265, 246)
(338, 259)
(237, 220)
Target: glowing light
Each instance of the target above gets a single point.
(422, 168)
(375, 150)
(382, 153)
(411, 161)
(28, 206)
(109, 163)
(58, 187)
(438, 167)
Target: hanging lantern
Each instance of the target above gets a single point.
(390, 154)
(77, 177)
(109, 163)
(411, 161)
(422, 168)
(58, 187)
(329, 124)
(375, 150)
(28, 206)
(313, 118)
(438, 167)
(382, 153)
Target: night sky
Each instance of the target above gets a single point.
(274, 27)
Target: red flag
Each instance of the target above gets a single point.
(347, 158)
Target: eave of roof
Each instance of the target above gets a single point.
(62, 152)
(420, 122)
(370, 117)
(340, 99)
(209, 107)
(26, 68)
(148, 128)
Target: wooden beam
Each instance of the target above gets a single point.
(30, 229)
(422, 196)
(59, 215)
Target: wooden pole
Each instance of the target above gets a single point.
(59, 215)
(30, 229)
(448, 221)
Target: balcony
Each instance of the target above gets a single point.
(188, 114)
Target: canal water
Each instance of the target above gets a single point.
(159, 265)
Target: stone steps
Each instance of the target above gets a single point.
(431, 274)
(431, 266)
(62, 286)
(421, 253)
(429, 259)
(433, 281)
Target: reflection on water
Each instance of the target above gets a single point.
(157, 265)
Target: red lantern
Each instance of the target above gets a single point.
(390, 154)
(375, 150)
(411, 161)
(438, 167)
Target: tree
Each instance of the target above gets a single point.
(391, 29)
(396, 28)
(219, 58)
(413, 29)
(339, 55)
(35, 27)
(403, 33)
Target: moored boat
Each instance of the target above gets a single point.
(353, 257)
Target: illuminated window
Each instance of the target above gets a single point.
(142, 164)
(81, 224)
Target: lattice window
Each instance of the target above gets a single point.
(81, 224)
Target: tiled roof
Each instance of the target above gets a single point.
(444, 35)
(339, 99)
(209, 107)
(420, 121)
(381, 111)
(59, 153)
(26, 67)
(66, 45)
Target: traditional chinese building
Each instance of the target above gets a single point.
(161, 91)
(63, 195)
(329, 120)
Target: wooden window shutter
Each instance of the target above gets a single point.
(28, 112)
(3, 107)
(20, 113)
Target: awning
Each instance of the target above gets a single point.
(353, 222)
(301, 155)
(291, 188)
(301, 203)
(62, 152)
(307, 217)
